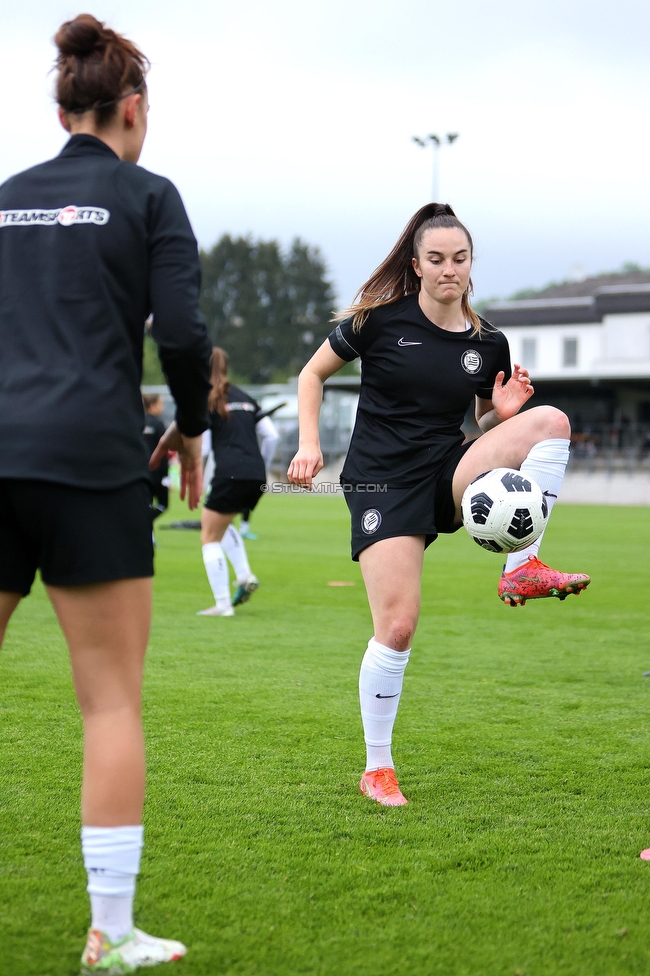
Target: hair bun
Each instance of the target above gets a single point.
(96, 67)
(80, 36)
(442, 209)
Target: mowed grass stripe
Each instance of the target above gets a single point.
(522, 744)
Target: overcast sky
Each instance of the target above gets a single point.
(279, 118)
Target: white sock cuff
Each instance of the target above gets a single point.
(385, 658)
(114, 849)
(552, 449)
(212, 550)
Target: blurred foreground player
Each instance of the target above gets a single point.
(152, 432)
(237, 483)
(426, 357)
(90, 244)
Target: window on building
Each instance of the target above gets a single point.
(570, 352)
(529, 353)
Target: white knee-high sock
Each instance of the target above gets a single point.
(217, 569)
(380, 687)
(545, 463)
(112, 860)
(234, 548)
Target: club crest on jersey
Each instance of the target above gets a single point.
(370, 521)
(65, 216)
(471, 361)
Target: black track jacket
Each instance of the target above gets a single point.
(89, 247)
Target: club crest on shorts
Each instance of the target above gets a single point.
(471, 361)
(370, 521)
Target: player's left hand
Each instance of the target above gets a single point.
(191, 461)
(508, 398)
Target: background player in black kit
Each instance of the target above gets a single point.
(237, 484)
(152, 432)
(90, 244)
(426, 357)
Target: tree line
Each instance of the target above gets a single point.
(268, 308)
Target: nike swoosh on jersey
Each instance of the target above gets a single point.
(405, 342)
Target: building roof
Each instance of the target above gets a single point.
(590, 285)
(606, 299)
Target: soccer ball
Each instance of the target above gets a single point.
(504, 511)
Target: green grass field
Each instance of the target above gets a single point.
(522, 743)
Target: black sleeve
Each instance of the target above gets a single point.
(178, 326)
(347, 343)
(259, 413)
(501, 362)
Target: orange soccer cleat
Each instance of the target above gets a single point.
(382, 786)
(535, 580)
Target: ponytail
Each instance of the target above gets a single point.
(218, 396)
(395, 277)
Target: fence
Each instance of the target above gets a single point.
(608, 448)
(611, 448)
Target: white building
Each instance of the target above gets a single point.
(588, 354)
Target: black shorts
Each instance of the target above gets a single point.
(384, 513)
(73, 535)
(228, 495)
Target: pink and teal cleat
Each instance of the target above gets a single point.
(245, 590)
(119, 958)
(216, 612)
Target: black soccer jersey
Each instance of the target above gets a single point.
(417, 381)
(89, 246)
(234, 441)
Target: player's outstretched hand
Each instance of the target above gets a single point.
(306, 464)
(509, 398)
(189, 455)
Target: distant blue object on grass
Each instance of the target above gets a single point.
(248, 535)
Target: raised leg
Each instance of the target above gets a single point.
(508, 445)
(536, 442)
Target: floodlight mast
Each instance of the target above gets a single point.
(436, 142)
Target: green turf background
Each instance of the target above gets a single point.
(522, 744)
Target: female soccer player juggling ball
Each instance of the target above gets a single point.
(90, 245)
(426, 356)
